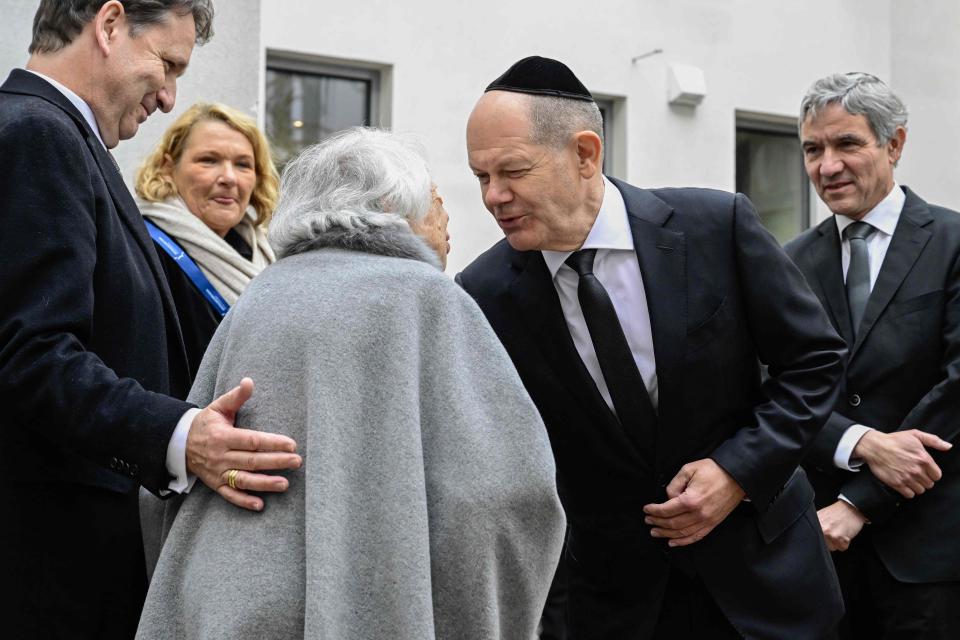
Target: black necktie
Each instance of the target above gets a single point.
(631, 401)
(858, 272)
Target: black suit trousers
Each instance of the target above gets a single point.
(880, 606)
(89, 580)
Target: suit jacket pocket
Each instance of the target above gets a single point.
(923, 301)
(794, 498)
(703, 332)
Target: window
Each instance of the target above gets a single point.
(614, 156)
(307, 100)
(770, 172)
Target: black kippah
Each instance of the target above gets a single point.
(541, 76)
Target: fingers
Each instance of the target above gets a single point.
(679, 482)
(236, 439)
(681, 532)
(678, 522)
(669, 509)
(906, 491)
(931, 441)
(260, 461)
(239, 498)
(836, 544)
(929, 471)
(697, 536)
(247, 481)
(230, 402)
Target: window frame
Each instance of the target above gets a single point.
(318, 66)
(613, 108)
(783, 126)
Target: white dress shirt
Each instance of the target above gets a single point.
(616, 267)
(883, 218)
(177, 447)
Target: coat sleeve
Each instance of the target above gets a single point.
(825, 445)
(804, 357)
(50, 381)
(496, 525)
(935, 413)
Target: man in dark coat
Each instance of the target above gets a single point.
(886, 267)
(89, 340)
(636, 319)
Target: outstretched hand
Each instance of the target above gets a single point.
(215, 446)
(700, 496)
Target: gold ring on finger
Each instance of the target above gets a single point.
(232, 478)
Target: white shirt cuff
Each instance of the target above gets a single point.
(843, 456)
(177, 455)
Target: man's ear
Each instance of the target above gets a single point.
(589, 153)
(895, 145)
(107, 25)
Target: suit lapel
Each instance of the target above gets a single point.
(534, 294)
(826, 264)
(909, 239)
(661, 254)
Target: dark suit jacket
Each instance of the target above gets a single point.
(903, 372)
(721, 295)
(89, 340)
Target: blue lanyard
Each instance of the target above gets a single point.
(189, 267)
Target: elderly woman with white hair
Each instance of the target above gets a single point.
(426, 505)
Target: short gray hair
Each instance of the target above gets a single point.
(358, 178)
(860, 94)
(58, 22)
(554, 120)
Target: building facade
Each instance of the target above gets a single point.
(304, 69)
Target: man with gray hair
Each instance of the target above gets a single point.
(91, 357)
(886, 267)
(636, 319)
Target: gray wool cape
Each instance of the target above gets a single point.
(426, 506)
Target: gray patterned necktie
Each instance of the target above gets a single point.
(858, 273)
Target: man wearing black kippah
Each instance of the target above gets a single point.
(637, 320)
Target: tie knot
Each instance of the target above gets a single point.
(859, 230)
(582, 261)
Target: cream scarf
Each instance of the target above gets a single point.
(226, 269)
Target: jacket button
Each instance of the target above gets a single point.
(113, 463)
(134, 470)
(855, 400)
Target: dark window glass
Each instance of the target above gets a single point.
(770, 172)
(305, 108)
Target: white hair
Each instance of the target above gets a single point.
(355, 179)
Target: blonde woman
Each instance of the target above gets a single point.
(207, 193)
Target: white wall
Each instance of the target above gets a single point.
(757, 55)
(225, 70)
(925, 53)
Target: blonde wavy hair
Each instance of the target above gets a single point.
(154, 184)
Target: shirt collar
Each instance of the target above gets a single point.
(76, 101)
(884, 216)
(611, 229)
